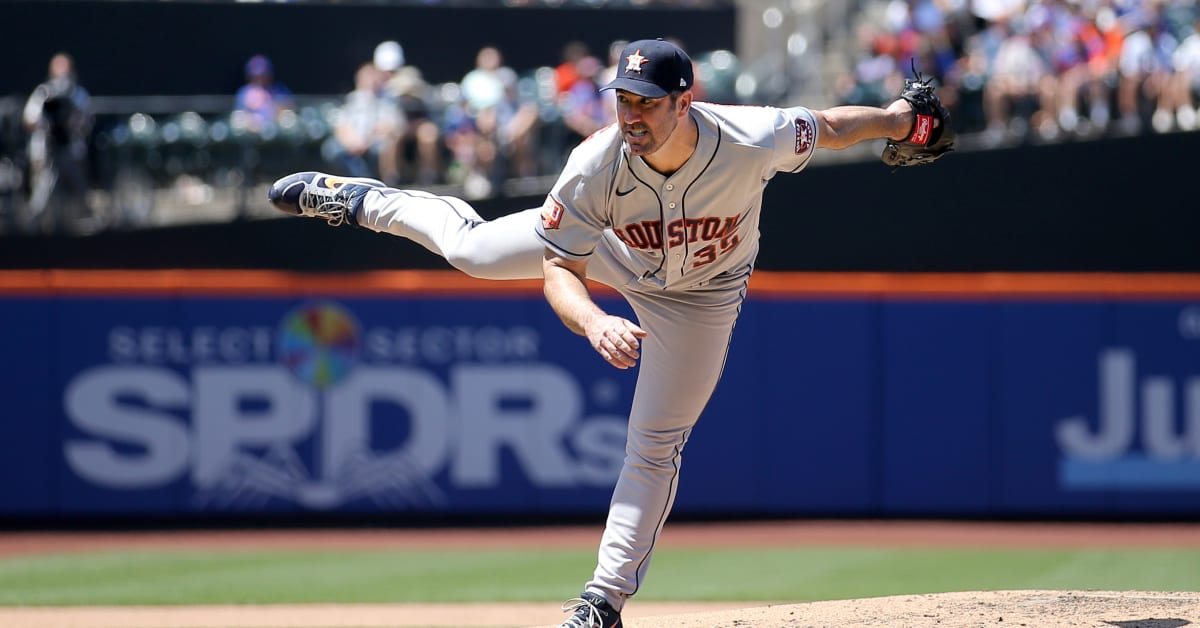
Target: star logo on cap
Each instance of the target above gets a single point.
(635, 62)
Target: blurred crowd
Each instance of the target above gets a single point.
(492, 125)
(1010, 71)
(44, 144)
(1019, 70)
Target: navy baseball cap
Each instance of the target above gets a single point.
(652, 68)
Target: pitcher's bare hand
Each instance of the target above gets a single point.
(615, 339)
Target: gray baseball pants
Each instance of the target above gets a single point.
(682, 356)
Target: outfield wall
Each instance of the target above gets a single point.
(209, 394)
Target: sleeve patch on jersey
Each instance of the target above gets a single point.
(804, 136)
(552, 213)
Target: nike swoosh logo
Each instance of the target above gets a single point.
(332, 183)
(620, 193)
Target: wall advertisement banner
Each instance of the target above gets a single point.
(452, 404)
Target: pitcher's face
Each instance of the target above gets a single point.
(647, 123)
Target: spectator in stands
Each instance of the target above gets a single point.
(470, 154)
(1145, 65)
(1101, 39)
(505, 126)
(584, 109)
(368, 129)
(1050, 66)
(58, 117)
(1056, 40)
(262, 99)
(419, 154)
(567, 71)
(1020, 88)
(1185, 79)
(971, 76)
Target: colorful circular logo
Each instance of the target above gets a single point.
(319, 343)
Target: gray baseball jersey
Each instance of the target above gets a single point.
(684, 229)
(679, 248)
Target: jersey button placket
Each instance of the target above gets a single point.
(675, 258)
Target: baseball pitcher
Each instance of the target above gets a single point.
(663, 206)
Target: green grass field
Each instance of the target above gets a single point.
(757, 574)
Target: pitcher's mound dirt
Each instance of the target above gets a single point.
(1040, 609)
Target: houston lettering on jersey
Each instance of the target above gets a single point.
(648, 235)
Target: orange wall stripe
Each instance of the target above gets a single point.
(453, 283)
(256, 283)
(978, 285)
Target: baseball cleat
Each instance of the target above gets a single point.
(590, 611)
(336, 199)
